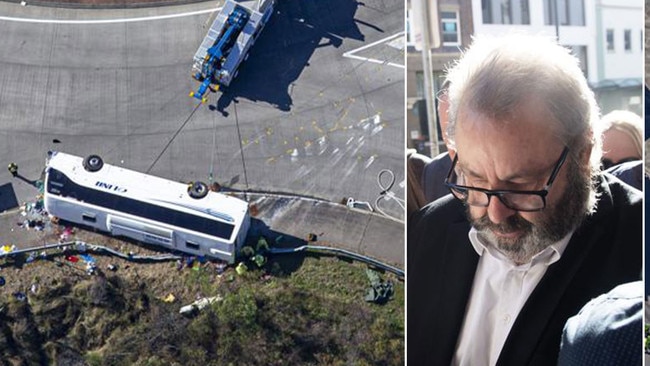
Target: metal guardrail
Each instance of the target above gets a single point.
(82, 246)
(337, 251)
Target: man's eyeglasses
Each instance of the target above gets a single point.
(513, 199)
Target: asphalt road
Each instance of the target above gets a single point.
(317, 110)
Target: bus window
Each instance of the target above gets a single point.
(192, 246)
(88, 217)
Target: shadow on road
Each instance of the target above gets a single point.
(284, 48)
(281, 265)
(8, 199)
(33, 183)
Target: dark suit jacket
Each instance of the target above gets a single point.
(603, 252)
(433, 177)
(630, 172)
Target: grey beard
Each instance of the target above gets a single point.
(555, 224)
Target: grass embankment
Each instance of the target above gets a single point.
(309, 311)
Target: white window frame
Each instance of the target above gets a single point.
(409, 29)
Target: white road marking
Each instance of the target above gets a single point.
(107, 21)
(351, 54)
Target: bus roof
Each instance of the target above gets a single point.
(149, 188)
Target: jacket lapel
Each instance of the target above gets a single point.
(541, 308)
(458, 269)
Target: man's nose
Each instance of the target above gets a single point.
(497, 211)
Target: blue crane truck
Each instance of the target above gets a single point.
(227, 43)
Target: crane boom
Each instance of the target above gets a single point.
(227, 43)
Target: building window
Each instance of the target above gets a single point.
(450, 29)
(627, 40)
(505, 11)
(569, 12)
(610, 40)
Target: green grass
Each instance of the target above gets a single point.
(93, 358)
(311, 312)
(315, 314)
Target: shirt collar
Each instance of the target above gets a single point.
(548, 256)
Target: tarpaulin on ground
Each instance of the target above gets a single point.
(87, 258)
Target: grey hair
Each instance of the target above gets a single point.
(497, 74)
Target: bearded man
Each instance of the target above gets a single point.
(532, 230)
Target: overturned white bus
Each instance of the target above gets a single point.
(146, 208)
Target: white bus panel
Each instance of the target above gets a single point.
(145, 208)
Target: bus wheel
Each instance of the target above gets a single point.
(198, 190)
(93, 163)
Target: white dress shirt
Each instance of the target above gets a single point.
(499, 291)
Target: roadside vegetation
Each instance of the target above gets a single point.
(299, 310)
